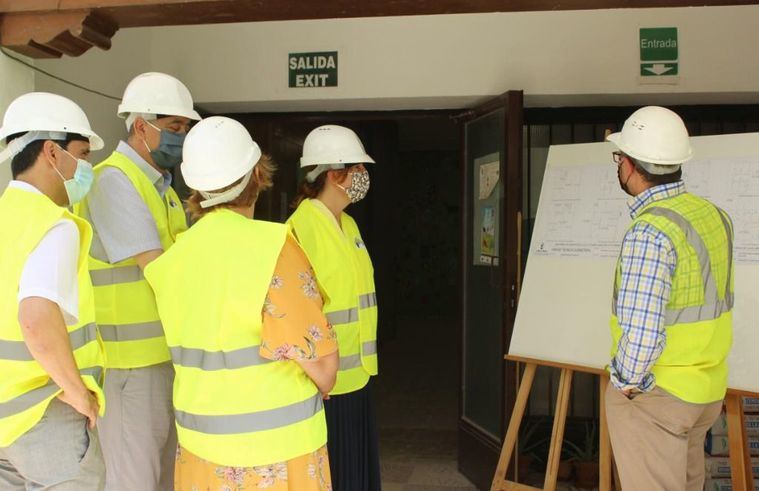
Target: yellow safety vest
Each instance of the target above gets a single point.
(124, 303)
(698, 317)
(232, 406)
(345, 274)
(25, 387)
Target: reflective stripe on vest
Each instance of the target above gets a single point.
(30, 399)
(116, 275)
(125, 305)
(698, 317)
(234, 424)
(714, 306)
(349, 316)
(344, 271)
(232, 406)
(17, 350)
(354, 361)
(217, 360)
(131, 332)
(30, 216)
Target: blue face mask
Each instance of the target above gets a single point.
(78, 186)
(169, 152)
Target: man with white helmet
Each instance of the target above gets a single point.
(136, 216)
(671, 312)
(51, 359)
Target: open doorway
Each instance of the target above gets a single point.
(411, 222)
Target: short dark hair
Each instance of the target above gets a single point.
(158, 116)
(24, 160)
(657, 179)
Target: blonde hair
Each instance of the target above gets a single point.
(266, 168)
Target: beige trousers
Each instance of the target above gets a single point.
(658, 440)
(137, 434)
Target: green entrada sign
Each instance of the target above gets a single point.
(658, 51)
(313, 69)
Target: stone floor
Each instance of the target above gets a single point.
(417, 402)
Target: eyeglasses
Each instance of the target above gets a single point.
(618, 157)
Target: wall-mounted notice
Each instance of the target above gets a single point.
(313, 69)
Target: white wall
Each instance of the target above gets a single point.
(444, 61)
(105, 71)
(15, 79)
(577, 57)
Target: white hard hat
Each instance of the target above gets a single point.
(217, 152)
(45, 112)
(654, 135)
(157, 93)
(332, 144)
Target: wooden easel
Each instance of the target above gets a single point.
(740, 460)
(740, 457)
(500, 483)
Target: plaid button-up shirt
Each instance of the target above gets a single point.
(648, 260)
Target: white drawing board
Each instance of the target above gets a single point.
(565, 303)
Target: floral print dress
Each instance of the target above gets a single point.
(293, 326)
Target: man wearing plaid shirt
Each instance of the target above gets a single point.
(671, 312)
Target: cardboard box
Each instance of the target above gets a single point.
(718, 445)
(719, 467)
(722, 485)
(751, 421)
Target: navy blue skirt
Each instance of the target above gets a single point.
(352, 441)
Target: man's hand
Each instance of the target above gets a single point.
(631, 393)
(85, 403)
(47, 339)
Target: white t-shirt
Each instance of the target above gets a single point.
(51, 269)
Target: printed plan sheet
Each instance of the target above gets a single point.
(584, 211)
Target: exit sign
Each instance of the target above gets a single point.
(658, 51)
(313, 69)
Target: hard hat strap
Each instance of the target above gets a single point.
(16, 146)
(225, 196)
(321, 168)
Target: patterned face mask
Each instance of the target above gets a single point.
(359, 186)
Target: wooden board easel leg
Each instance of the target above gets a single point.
(557, 435)
(510, 441)
(604, 445)
(740, 459)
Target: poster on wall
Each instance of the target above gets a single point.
(487, 242)
(487, 196)
(489, 174)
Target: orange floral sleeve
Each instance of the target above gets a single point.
(293, 320)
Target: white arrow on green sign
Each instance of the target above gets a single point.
(658, 51)
(658, 68)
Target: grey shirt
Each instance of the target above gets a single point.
(121, 221)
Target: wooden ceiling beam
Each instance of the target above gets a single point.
(53, 34)
(222, 11)
(57, 5)
(43, 28)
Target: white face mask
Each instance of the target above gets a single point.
(359, 186)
